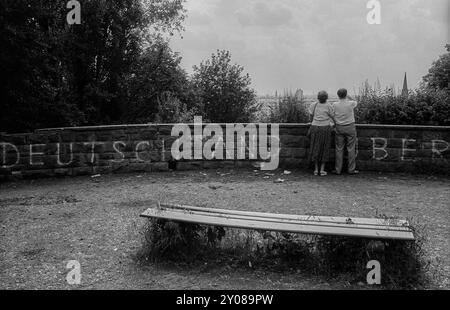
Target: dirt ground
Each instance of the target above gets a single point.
(46, 223)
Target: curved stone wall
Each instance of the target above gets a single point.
(148, 148)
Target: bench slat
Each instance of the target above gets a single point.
(293, 221)
(339, 230)
(319, 219)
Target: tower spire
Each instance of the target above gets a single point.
(405, 91)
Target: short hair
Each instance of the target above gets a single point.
(322, 96)
(342, 93)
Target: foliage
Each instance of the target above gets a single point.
(177, 241)
(172, 110)
(429, 104)
(30, 82)
(438, 76)
(53, 74)
(424, 106)
(158, 79)
(224, 90)
(290, 108)
(402, 262)
(117, 67)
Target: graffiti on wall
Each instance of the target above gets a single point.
(209, 142)
(380, 148)
(202, 142)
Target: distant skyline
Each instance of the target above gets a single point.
(317, 44)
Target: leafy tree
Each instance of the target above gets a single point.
(157, 79)
(31, 84)
(224, 90)
(104, 50)
(439, 74)
(52, 74)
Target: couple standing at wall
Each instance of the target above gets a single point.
(323, 117)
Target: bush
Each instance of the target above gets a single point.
(422, 107)
(290, 108)
(178, 241)
(402, 262)
(172, 110)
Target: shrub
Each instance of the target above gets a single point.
(290, 108)
(172, 110)
(178, 241)
(402, 262)
(423, 106)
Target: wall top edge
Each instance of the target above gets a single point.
(143, 126)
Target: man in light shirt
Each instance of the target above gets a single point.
(345, 132)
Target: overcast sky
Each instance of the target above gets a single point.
(317, 44)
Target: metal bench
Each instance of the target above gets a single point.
(319, 225)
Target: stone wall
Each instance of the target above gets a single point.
(147, 148)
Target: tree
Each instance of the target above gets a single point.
(32, 89)
(52, 74)
(157, 79)
(438, 76)
(224, 90)
(103, 52)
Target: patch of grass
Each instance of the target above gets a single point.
(402, 262)
(178, 241)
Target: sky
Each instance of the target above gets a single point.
(317, 44)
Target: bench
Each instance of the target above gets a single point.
(318, 225)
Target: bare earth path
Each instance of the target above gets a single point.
(45, 223)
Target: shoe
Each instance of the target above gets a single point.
(323, 174)
(354, 172)
(316, 173)
(335, 172)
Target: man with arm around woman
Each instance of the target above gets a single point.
(324, 116)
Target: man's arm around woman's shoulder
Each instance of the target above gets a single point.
(352, 101)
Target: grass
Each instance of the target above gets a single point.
(402, 262)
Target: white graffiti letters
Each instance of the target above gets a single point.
(377, 149)
(5, 146)
(205, 142)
